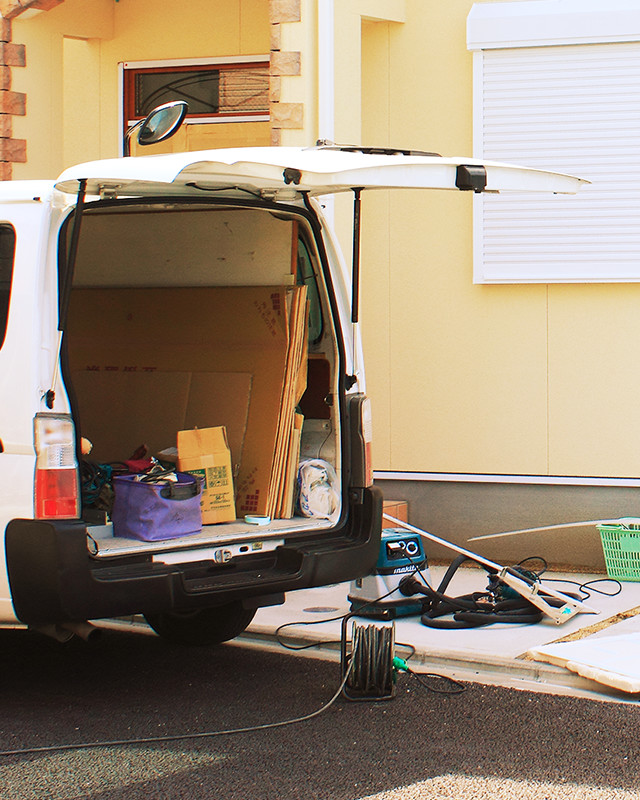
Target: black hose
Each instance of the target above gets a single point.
(479, 608)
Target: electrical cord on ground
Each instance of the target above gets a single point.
(371, 662)
(367, 644)
(498, 603)
(338, 618)
(582, 587)
(472, 610)
(353, 661)
(585, 588)
(421, 677)
(375, 668)
(184, 736)
(588, 587)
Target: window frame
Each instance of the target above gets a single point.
(129, 69)
(5, 305)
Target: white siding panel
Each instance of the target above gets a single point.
(574, 109)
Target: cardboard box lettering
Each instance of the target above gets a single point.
(205, 452)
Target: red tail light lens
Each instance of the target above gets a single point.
(57, 493)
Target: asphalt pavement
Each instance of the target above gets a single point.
(140, 693)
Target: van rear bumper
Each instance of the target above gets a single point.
(53, 578)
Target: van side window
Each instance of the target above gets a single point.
(306, 275)
(7, 251)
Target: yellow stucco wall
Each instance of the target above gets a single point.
(71, 79)
(461, 384)
(526, 379)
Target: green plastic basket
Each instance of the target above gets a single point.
(621, 547)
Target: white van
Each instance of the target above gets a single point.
(130, 292)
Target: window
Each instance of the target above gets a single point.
(7, 251)
(557, 86)
(306, 275)
(235, 90)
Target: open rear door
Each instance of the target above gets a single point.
(315, 171)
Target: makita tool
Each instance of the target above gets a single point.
(377, 596)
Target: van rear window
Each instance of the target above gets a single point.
(7, 251)
(306, 275)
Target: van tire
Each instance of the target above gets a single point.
(202, 627)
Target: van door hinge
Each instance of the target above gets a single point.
(292, 175)
(349, 380)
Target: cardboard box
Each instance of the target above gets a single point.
(395, 508)
(205, 452)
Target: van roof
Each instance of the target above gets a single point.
(19, 191)
(312, 170)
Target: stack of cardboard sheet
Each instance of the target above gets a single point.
(289, 432)
(149, 362)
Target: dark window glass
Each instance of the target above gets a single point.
(199, 89)
(7, 251)
(220, 91)
(306, 275)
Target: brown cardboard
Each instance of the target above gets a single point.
(124, 408)
(287, 501)
(293, 388)
(199, 330)
(395, 508)
(205, 452)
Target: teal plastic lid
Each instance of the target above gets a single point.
(257, 519)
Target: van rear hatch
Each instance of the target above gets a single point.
(316, 171)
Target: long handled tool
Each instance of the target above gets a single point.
(530, 590)
(558, 526)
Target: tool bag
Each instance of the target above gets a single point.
(151, 507)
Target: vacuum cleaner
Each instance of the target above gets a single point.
(377, 596)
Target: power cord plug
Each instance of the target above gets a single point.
(399, 665)
(410, 585)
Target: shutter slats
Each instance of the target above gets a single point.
(574, 109)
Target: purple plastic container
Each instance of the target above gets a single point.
(156, 511)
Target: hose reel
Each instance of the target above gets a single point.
(366, 660)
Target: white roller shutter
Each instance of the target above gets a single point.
(573, 108)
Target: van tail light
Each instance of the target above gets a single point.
(361, 438)
(57, 491)
(367, 434)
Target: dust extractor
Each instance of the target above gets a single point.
(377, 595)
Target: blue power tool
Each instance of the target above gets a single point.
(377, 596)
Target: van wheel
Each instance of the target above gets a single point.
(205, 626)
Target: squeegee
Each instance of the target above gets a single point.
(528, 589)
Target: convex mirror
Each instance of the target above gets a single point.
(157, 126)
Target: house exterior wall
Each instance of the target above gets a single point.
(457, 372)
(464, 378)
(476, 379)
(71, 81)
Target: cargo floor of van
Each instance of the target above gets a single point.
(238, 537)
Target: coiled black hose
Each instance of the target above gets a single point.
(479, 608)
